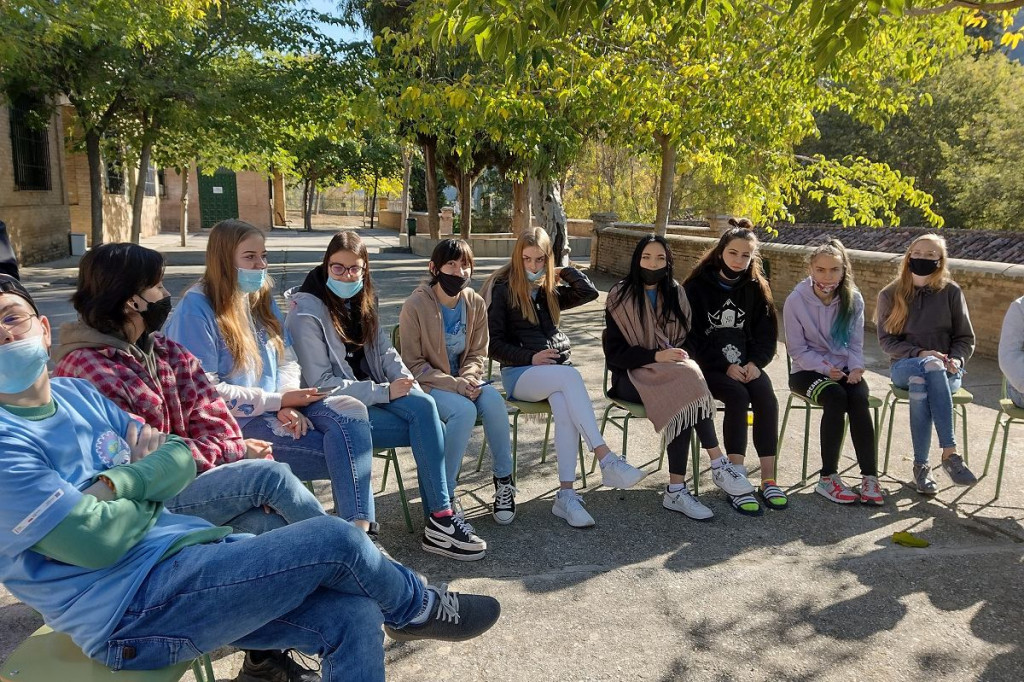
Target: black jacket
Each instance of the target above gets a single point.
(731, 325)
(515, 340)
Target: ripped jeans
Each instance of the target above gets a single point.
(336, 448)
(931, 402)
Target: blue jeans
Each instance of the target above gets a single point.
(931, 402)
(235, 494)
(459, 415)
(319, 586)
(1016, 396)
(412, 421)
(338, 449)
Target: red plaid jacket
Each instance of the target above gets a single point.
(184, 402)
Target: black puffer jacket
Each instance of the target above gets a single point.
(515, 340)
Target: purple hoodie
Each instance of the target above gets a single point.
(809, 332)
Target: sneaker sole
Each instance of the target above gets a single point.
(502, 522)
(872, 503)
(445, 552)
(566, 519)
(833, 499)
(710, 515)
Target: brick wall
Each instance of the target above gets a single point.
(38, 222)
(988, 287)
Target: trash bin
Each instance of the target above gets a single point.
(410, 226)
(77, 241)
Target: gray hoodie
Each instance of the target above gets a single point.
(809, 332)
(1011, 345)
(322, 354)
(938, 321)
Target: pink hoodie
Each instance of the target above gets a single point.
(809, 340)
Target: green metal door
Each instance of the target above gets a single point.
(218, 197)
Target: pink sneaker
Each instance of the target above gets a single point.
(870, 492)
(833, 488)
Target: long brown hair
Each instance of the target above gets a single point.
(220, 283)
(515, 274)
(712, 261)
(904, 283)
(365, 301)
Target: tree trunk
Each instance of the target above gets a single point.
(406, 176)
(373, 204)
(280, 212)
(521, 214)
(307, 204)
(433, 214)
(139, 196)
(668, 176)
(466, 206)
(183, 212)
(92, 150)
(547, 209)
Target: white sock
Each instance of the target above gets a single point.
(565, 492)
(720, 462)
(676, 487)
(607, 459)
(424, 615)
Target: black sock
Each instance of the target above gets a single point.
(504, 480)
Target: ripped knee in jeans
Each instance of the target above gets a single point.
(933, 364)
(918, 387)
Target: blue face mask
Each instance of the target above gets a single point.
(251, 281)
(21, 363)
(344, 289)
(534, 277)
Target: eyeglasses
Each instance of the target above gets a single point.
(16, 323)
(339, 270)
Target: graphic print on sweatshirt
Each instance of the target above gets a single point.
(112, 449)
(728, 316)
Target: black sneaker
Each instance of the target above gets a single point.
(274, 666)
(504, 509)
(454, 617)
(450, 537)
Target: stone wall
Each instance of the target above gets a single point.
(988, 287)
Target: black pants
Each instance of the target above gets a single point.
(839, 399)
(759, 394)
(679, 447)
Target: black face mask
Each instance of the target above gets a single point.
(452, 284)
(156, 313)
(653, 276)
(729, 273)
(923, 266)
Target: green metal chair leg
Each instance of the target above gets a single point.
(604, 423)
(515, 447)
(892, 415)
(807, 432)
(694, 462)
(547, 435)
(992, 442)
(583, 464)
(384, 478)
(401, 491)
(963, 411)
(202, 669)
(1002, 458)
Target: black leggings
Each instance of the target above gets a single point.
(736, 395)
(838, 399)
(679, 447)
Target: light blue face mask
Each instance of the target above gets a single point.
(21, 363)
(534, 277)
(251, 281)
(344, 289)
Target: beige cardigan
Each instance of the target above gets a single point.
(422, 341)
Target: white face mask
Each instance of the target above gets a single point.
(21, 363)
(824, 288)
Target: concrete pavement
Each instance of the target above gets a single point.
(817, 592)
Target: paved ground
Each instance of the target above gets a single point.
(818, 592)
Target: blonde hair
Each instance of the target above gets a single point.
(519, 286)
(220, 283)
(904, 284)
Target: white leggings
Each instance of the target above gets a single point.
(562, 386)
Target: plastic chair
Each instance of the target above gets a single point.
(799, 401)
(48, 656)
(961, 399)
(1008, 414)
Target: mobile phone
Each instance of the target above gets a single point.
(328, 390)
(485, 383)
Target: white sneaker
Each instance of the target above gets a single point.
(569, 506)
(730, 478)
(684, 501)
(616, 472)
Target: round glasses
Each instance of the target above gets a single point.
(339, 270)
(16, 323)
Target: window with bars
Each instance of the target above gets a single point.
(113, 178)
(30, 149)
(151, 182)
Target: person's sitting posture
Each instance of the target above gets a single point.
(1011, 351)
(86, 541)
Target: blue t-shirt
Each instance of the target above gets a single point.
(45, 466)
(193, 324)
(454, 333)
(652, 296)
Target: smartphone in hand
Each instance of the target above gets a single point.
(327, 390)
